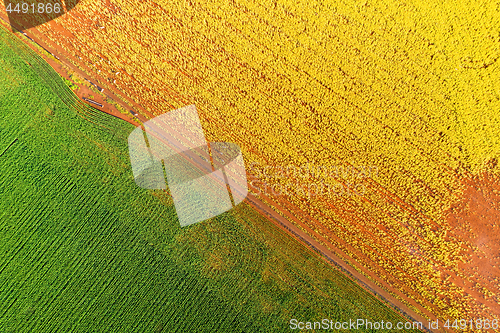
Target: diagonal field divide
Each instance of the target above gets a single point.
(263, 206)
(330, 257)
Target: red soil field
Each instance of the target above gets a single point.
(475, 222)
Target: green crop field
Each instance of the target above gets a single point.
(85, 250)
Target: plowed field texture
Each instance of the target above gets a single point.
(83, 249)
(371, 125)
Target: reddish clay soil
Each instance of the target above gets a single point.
(475, 222)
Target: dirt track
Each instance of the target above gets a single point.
(61, 64)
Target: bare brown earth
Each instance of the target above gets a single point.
(475, 222)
